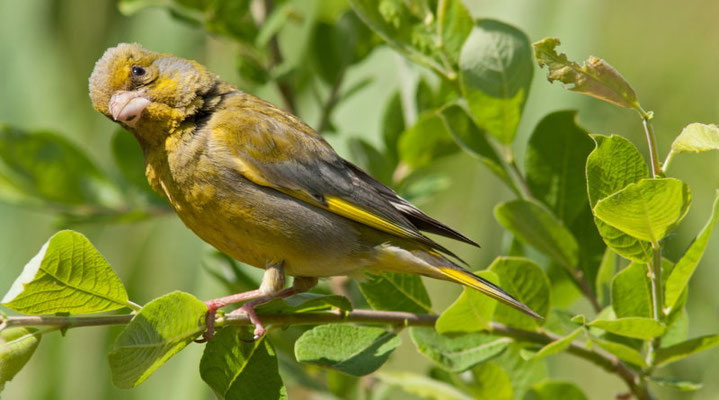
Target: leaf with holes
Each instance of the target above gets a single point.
(595, 78)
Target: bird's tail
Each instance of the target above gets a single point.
(460, 275)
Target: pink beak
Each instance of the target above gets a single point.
(127, 106)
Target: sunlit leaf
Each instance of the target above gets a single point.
(614, 164)
(157, 332)
(17, 345)
(471, 312)
(635, 327)
(684, 349)
(676, 383)
(526, 282)
(595, 78)
(68, 275)
(622, 351)
(697, 138)
(685, 267)
(631, 292)
(646, 210)
(558, 345)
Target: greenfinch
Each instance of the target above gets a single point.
(262, 186)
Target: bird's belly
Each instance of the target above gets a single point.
(258, 225)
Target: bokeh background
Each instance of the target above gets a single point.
(48, 48)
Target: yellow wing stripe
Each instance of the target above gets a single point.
(356, 213)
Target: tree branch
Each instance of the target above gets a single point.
(604, 360)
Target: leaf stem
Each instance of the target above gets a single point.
(604, 360)
(651, 141)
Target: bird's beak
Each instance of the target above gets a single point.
(126, 106)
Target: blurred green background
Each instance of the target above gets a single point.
(48, 49)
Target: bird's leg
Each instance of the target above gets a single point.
(299, 285)
(273, 281)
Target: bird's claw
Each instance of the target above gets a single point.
(248, 309)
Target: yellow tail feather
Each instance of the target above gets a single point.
(467, 278)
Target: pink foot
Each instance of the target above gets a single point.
(249, 310)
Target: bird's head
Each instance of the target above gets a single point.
(149, 93)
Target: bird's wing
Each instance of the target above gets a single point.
(275, 149)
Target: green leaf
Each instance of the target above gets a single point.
(623, 352)
(559, 345)
(676, 383)
(396, 292)
(631, 292)
(393, 125)
(157, 332)
(471, 312)
(489, 382)
(550, 390)
(304, 302)
(522, 373)
(685, 267)
(474, 141)
(677, 328)
(68, 275)
(595, 78)
(420, 385)
(607, 269)
(635, 327)
(555, 161)
(46, 165)
(354, 350)
(667, 355)
(614, 164)
(402, 27)
(336, 46)
(534, 225)
(427, 140)
(457, 353)
(239, 369)
(646, 210)
(526, 282)
(495, 74)
(17, 345)
(455, 24)
(697, 138)
(371, 160)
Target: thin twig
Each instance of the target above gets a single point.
(606, 361)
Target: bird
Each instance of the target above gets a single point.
(262, 186)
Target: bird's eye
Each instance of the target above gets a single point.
(138, 71)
